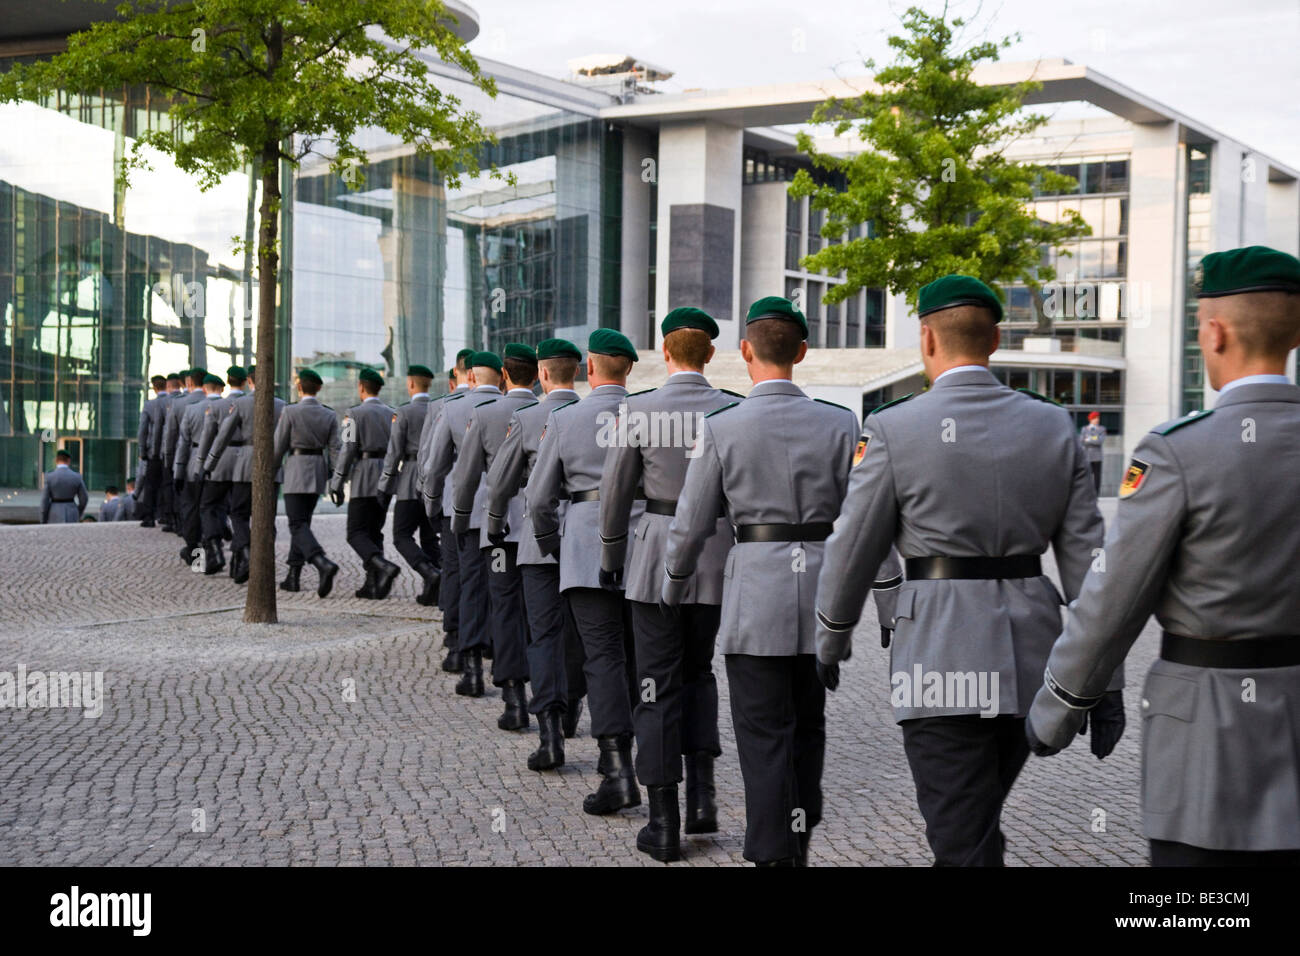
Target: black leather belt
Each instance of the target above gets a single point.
(306, 451)
(751, 533)
(1281, 651)
(941, 568)
(62, 501)
(657, 506)
(236, 444)
(591, 495)
(408, 458)
(373, 454)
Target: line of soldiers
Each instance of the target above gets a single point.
(604, 547)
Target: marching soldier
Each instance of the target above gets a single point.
(236, 431)
(439, 515)
(64, 497)
(308, 432)
(164, 496)
(187, 472)
(674, 651)
(973, 481)
(570, 459)
(488, 423)
(128, 501)
(218, 472)
(151, 420)
(399, 480)
(1221, 706)
(445, 445)
(1093, 436)
(111, 509)
(365, 443)
(554, 650)
(174, 415)
(778, 463)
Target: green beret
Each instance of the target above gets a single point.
(309, 375)
(522, 352)
(237, 371)
(955, 290)
(199, 373)
(370, 375)
(775, 307)
(212, 380)
(611, 342)
(183, 373)
(689, 317)
(1252, 269)
(557, 348)
(464, 354)
(485, 359)
(419, 371)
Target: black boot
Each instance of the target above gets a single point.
(385, 574)
(802, 858)
(515, 716)
(326, 569)
(367, 590)
(147, 523)
(659, 838)
(550, 754)
(471, 679)
(571, 715)
(239, 566)
(432, 578)
(290, 582)
(454, 662)
(701, 810)
(213, 559)
(187, 554)
(618, 787)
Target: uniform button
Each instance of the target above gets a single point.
(1145, 703)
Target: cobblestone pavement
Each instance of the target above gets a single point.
(223, 743)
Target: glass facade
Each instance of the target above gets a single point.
(1196, 246)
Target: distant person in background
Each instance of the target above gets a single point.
(111, 509)
(128, 502)
(65, 497)
(1093, 436)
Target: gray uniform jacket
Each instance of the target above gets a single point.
(426, 448)
(111, 510)
(365, 441)
(970, 468)
(448, 437)
(149, 433)
(1094, 439)
(778, 457)
(510, 472)
(64, 498)
(175, 414)
(1207, 537)
(400, 469)
(222, 466)
(237, 428)
(188, 463)
(489, 421)
(570, 459)
(656, 437)
(311, 426)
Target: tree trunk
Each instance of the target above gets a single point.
(259, 607)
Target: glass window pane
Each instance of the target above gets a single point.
(1117, 176)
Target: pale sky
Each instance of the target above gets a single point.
(1234, 66)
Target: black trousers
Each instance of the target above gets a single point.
(163, 506)
(303, 545)
(366, 527)
(1169, 853)
(604, 624)
(963, 768)
(677, 712)
(507, 613)
(409, 520)
(214, 508)
(189, 526)
(150, 486)
(555, 655)
(241, 510)
(449, 587)
(1096, 475)
(473, 621)
(777, 707)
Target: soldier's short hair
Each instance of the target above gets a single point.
(423, 381)
(310, 386)
(111, 490)
(369, 386)
(562, 369)
(688, 348)
(610, 366)
(158, 381)
(774, 341)
(521, 371)
(196, 378)
(62, 455)
(964, 330)
(462, 365)
(1267, 323)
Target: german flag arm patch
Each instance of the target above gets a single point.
(861, 451)
(1134, 478)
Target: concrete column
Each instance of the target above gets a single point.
(762, 247)
(699, 217)
(634, 290)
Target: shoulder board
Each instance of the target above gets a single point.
(727, 391)
(488, 402)
(529, 405)
(832, 404)
(719, 411)
(1041, 398)
(1178, 423)
(452, 398)
(643, 391)
(897, 401)
(567, 404)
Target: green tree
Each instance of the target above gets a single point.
(269, 82)
(933, 183)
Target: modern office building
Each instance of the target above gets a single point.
(627, 202)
